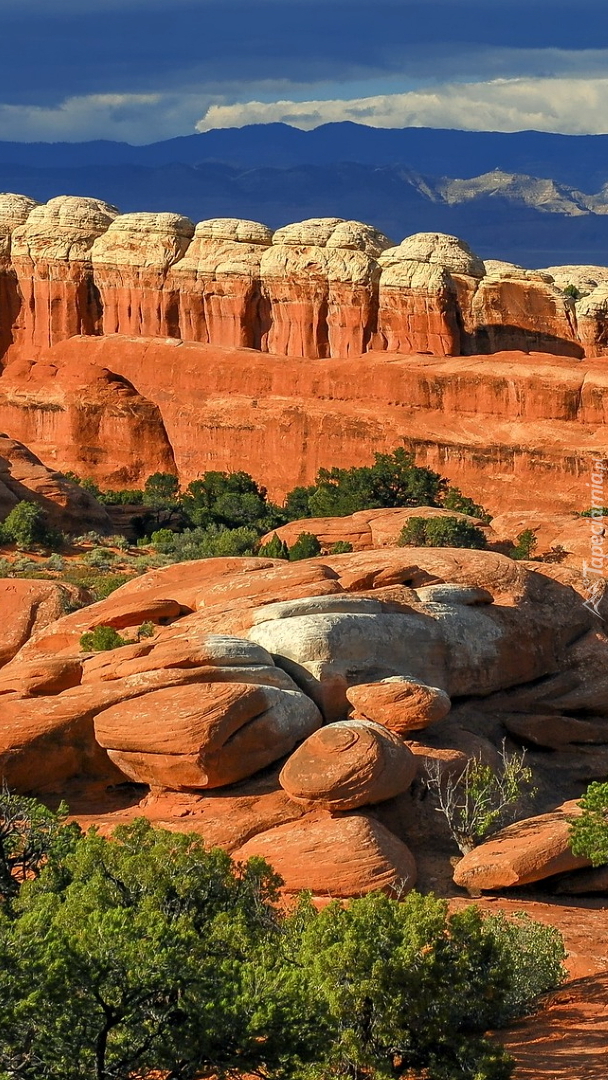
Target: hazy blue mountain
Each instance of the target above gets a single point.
(529, 197)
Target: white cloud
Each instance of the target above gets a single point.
(568, 105)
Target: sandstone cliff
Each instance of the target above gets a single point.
(517, 432)
(141, 342)
(319, 288)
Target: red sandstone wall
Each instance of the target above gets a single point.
(515, 431)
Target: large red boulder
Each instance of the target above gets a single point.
(340, 856)
(348, 765)
(529, 851)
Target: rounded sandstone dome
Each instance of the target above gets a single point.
(14, 210)
(144, 240)
(439, 248)
(314, 232)
(399, 273)
(234, 229)
(64, 228)
(347, 765)
(333, 233)
(399, 703)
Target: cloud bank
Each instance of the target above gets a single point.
(567, 105)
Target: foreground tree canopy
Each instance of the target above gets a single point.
(150, 954)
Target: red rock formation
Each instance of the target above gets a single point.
(528, 851)
(402, 705)
(345, 856)
(27, 607)
(217, 284)
(516, 432)
(348, 765)
(51, 255)
(131, 261)
(113, 430)
(23, 477)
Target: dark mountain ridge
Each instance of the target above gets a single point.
(528, 197)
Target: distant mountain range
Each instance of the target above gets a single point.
(528, 197)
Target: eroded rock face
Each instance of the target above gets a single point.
(131, 261)
(348, 765)
(14, 211)
(319, 281)
(51, 255)
(23, 477)
(320, 288)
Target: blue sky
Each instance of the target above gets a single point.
(142, 70)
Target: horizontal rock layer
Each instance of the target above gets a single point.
(516, 432)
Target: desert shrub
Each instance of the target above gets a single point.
(149, 954)
(26, 526)
(341, 547)
(534, 956)
(28, 831)
(161, 539)
(146, 630)
(100, 557)
(589, 832)
(525, 545)
(274, 549)
(393, 480)
(101, 639)
(99, 584)
(55, 563)
(230, 500)
(296, 504)
(595, 511)
(409, 987)
(210, 542)
(441, 532)
(573, 292)
(455, 500)
(161, 489)
(481, 799)
(306, 546)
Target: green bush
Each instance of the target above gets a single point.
(26, 526)
(525, 545)
(306, 546)
(393, 480)
(101, 639)
(274, 549)
(589, 832)
(595, 511)
(341, 547)
(213, 541)
(147, 953)
(533, 955)
(455, 500)
(146, 630)
(441, 532)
